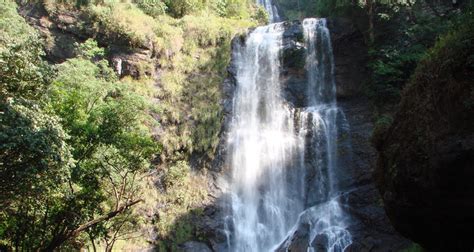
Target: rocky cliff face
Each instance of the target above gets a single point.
(426, 157)
(61, 30)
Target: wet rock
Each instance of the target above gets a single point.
(293, 59)
(320, 243)
(369, 226)
(350, 57)
(298, 241)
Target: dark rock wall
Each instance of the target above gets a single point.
(425, 168)
(369, 225)
(350, 57)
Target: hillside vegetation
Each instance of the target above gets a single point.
(82, 148)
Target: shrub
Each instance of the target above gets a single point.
(154, 8)
(180, 8)
(181, 202)
(123, 22)
(176, 175)
(89, 50)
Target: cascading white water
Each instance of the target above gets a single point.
(261, 143)
(282, 158)
(271, 9)
(319, 126)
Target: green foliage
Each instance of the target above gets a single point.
(182, 200)
(394, 61)
(176, 174)
(299, 9)
(13, 27)
(44, 153)
(450, 61)
(236, 9)
(152, 8)
(414, 248)
(123, 23)
(180, 8)
(89, 50)
(104, 128)
(440, 85)
(35, 164)
(198, 54)
(22, 71)
(330, 8)
(104, 122)
(224, 8)
(391, 68)
(261, 15)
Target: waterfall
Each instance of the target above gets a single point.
(283, 159)
(319, 129)
(271, 9)
(261, 143)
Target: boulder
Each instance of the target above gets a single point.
(425, 167)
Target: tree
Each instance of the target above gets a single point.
(180, 8)
(23, 73)
(35, 161)
(105, 119)
(70, 160)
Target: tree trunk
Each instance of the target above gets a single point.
(370, 13)
(93, 242)
(109, 247)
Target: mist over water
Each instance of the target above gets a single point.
(283, 158)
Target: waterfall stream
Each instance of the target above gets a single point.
(271, 9)
(283, 158)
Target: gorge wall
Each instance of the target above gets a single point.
(368, 224)
(426, 156)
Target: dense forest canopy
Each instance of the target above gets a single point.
(83, 146)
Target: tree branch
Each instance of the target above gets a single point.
(63, 236)
(105, 217)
